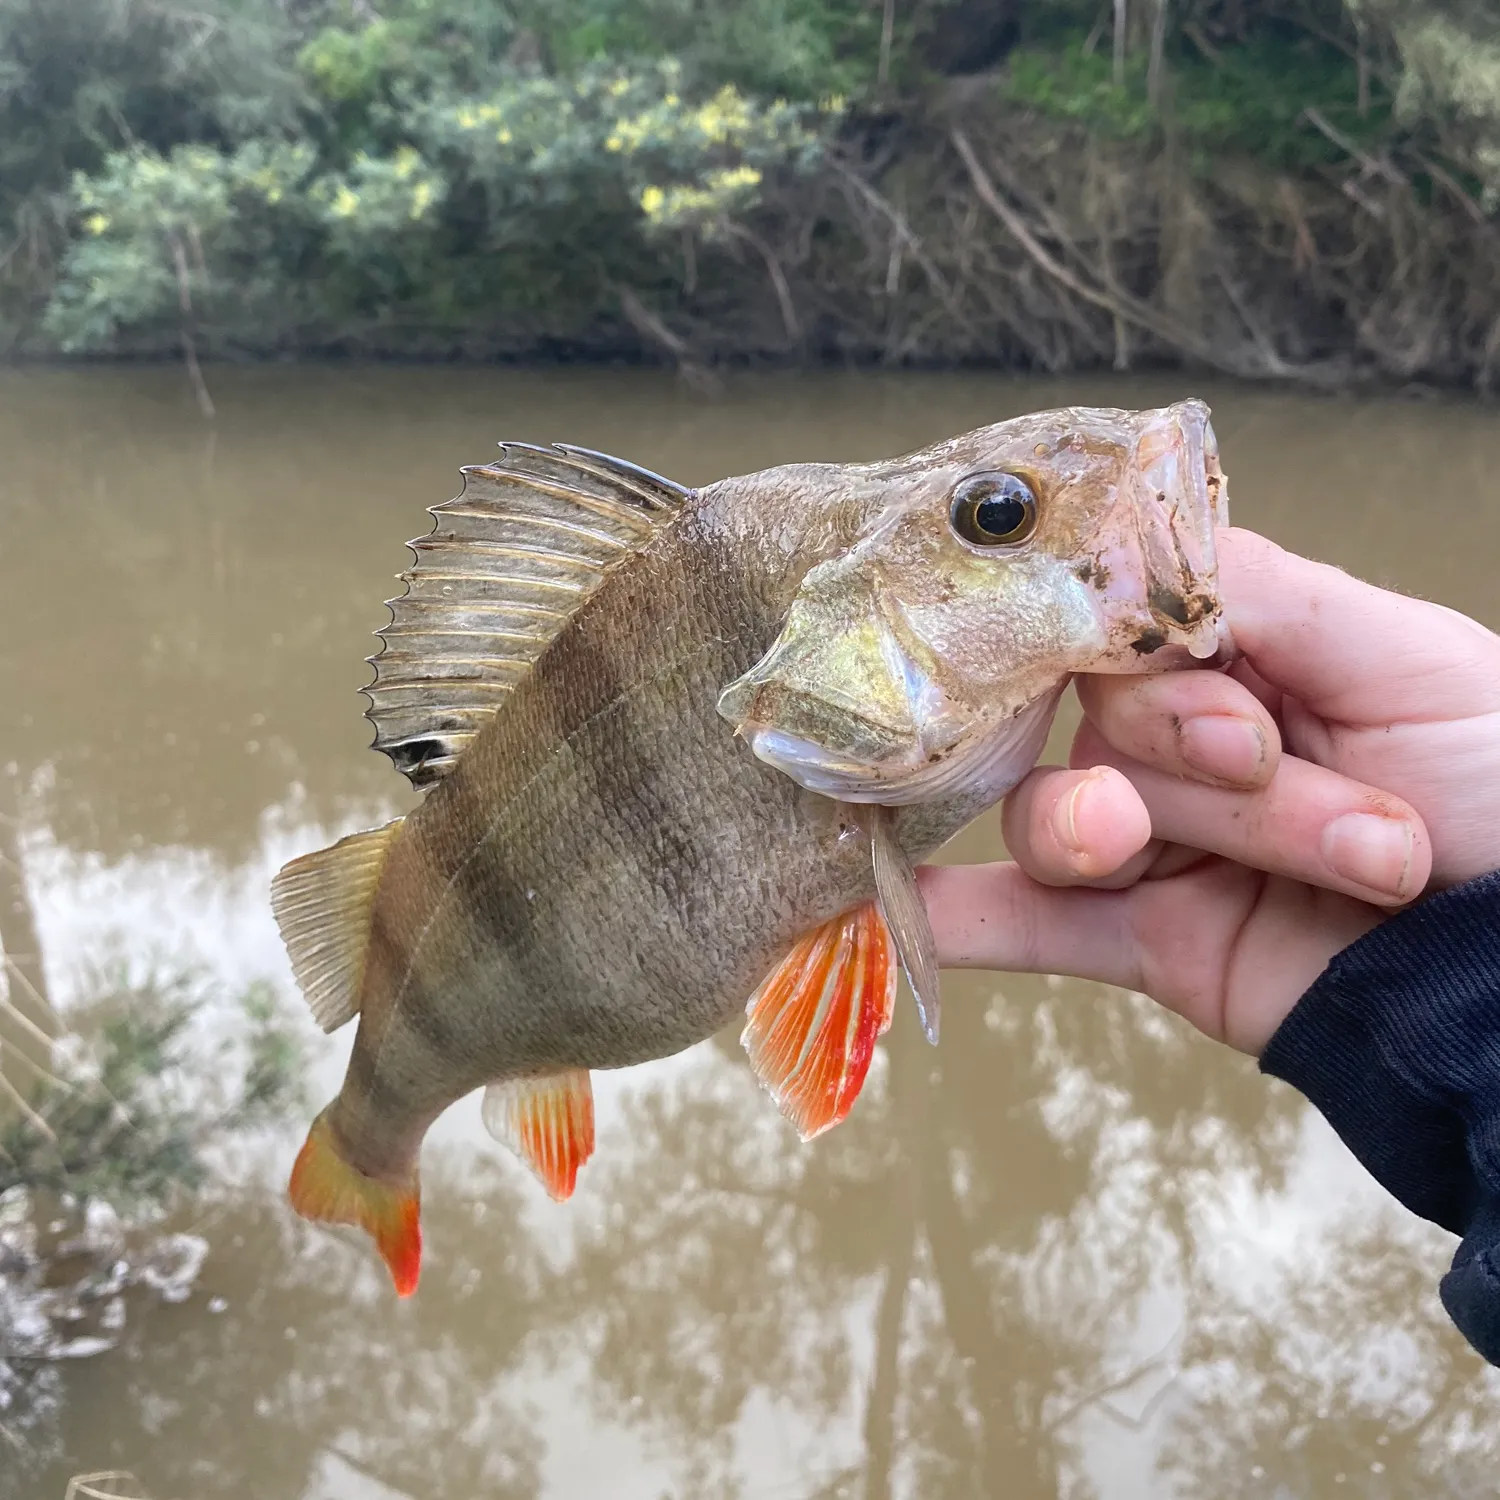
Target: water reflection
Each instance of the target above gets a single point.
(965, 1291)
(997, 1218)
(1348, 1371)
(1072, 1252)
(300, 1365)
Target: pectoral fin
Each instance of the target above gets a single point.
(837, 702)
(905, 913)
(548, 1122)
(813, 1022)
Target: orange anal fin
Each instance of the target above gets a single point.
(548, 1121)
(813, 1022)
(328, 1190)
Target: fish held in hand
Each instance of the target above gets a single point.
(681, 749)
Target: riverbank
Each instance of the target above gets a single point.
(1305, 192)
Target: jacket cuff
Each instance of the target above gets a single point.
(1397, 1043)
(1471, 1290)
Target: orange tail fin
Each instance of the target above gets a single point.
(326, 1189)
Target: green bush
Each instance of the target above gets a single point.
(492, 175)
(494, 181)
(137, 1101)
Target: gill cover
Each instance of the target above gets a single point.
(848, 703)
(841, 702)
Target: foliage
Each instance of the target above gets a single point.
(80, 79)
(200, 224)
(479, 186)
(524, 176)
(1449, 73)
(138, 1101)
(1247, 101)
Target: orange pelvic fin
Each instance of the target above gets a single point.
(548, 1122)
(328, 1190)
(813, 1022)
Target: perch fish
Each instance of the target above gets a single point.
(680, 751)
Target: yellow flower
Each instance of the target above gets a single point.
(614, 143)
(96, 223)
(345, 201)
(466, 118)
(652, 201)
(503, 136)
(420, 198)
(406, 162)
(728, 179)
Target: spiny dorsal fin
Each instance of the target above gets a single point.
(505, 566)
(321, 903)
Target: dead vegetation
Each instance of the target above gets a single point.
(1009, 241)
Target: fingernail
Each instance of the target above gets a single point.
(1371, 851)
(1065, 818)
(1224, 746)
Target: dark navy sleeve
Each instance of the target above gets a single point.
(1398, 1045)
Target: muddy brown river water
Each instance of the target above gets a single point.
(1076, 1251)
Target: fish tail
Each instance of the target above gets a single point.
(328, 1189)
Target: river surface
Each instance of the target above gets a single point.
(1075, 1251)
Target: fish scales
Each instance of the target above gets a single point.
(603, 803)
(604, 871)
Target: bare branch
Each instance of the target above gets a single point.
(1116, 304)
(189, 346)
(16, 975)
(777, 275)
(904, 232)
(650, 326)
(8, 1090)
(887, 34)
(1372, 165)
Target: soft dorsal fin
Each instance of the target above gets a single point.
(506, 564)
(321, 903)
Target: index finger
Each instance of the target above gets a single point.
(1347, 650)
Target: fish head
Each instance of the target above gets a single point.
(925, 656)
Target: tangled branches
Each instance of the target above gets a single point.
(1009, 242)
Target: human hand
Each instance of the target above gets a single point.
(1221, 835)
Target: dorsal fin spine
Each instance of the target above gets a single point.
(552, 523)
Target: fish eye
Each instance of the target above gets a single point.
(993, 509)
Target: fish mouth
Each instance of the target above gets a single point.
(1168, 609)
